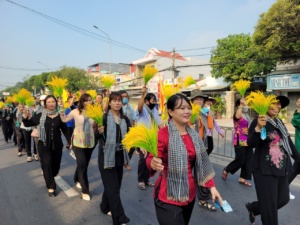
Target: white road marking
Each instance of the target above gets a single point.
(70, 192)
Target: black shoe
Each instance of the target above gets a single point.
(52, 194)
(251, 215)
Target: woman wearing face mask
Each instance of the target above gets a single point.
(243, 154)
(209, 123)
(128, 111)
(111, 158)
(50, 144)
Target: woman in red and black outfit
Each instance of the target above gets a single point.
(180, 151)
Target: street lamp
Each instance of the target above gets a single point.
(109, 46)
(43, 65)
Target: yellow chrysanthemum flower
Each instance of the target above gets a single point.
(241, 86)
(189, 80)
(148, 73)
(58, 85)
(30, 101)
(108, 81)
(143, 137)
(259, 102)
(195, 112)
(22, 96)
(92, 93)
(94, 112)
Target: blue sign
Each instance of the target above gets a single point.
(284, 81)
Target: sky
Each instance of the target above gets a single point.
(41, 36)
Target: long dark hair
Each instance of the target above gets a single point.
(113, 96)
(83, 98)
(173, 101)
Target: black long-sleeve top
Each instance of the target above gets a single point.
(53, 126)
(265, 158)
(119, 158)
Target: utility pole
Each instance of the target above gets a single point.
(173, 69)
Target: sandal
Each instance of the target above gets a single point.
(207, 206)
(246, 183)
(149, 183)
(224, 174)
(251, 215)
(142, 186)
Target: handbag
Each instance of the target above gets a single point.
(35, 133)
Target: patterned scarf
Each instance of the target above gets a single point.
(177, 180)
(41, 126)
(111, 146)
(278, 124)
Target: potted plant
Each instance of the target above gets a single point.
(219, 108)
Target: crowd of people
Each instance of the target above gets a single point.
(185, 171)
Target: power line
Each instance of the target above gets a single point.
(77, 29)
(26, 69)
(194, 49)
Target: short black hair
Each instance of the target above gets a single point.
(237, 102)
(149, 96)
(173, 100)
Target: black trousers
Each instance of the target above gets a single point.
(210, 145)
(20, 139)
(295, 170)
(83, 157)
(111, 199)
(242, 160)
(27, 141)
(7, 130)
(143, 172)
(272, 194)
(168, 214)
(50, 162)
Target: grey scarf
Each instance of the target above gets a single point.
(247, 117)
(150, 112)
(111, 146)
(41, 126)
(177, 180)
(87, 131)
(128, 112)
(205, 123)
(278, 124)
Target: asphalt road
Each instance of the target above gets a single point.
(24, 199)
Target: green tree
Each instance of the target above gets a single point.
(278, 30)
(235, 57)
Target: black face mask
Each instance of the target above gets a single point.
(151, 106)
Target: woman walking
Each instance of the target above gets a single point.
(83, 142)
(270, 164)
(243, 154)
(180, 150)
(112, 156)
(50, 144)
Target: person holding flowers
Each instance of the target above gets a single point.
(50, 145)
(112, 156)
(83, 142)
(271, 159)
(180, 150)
(128, 111)
(147, 113)
(241, 122)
